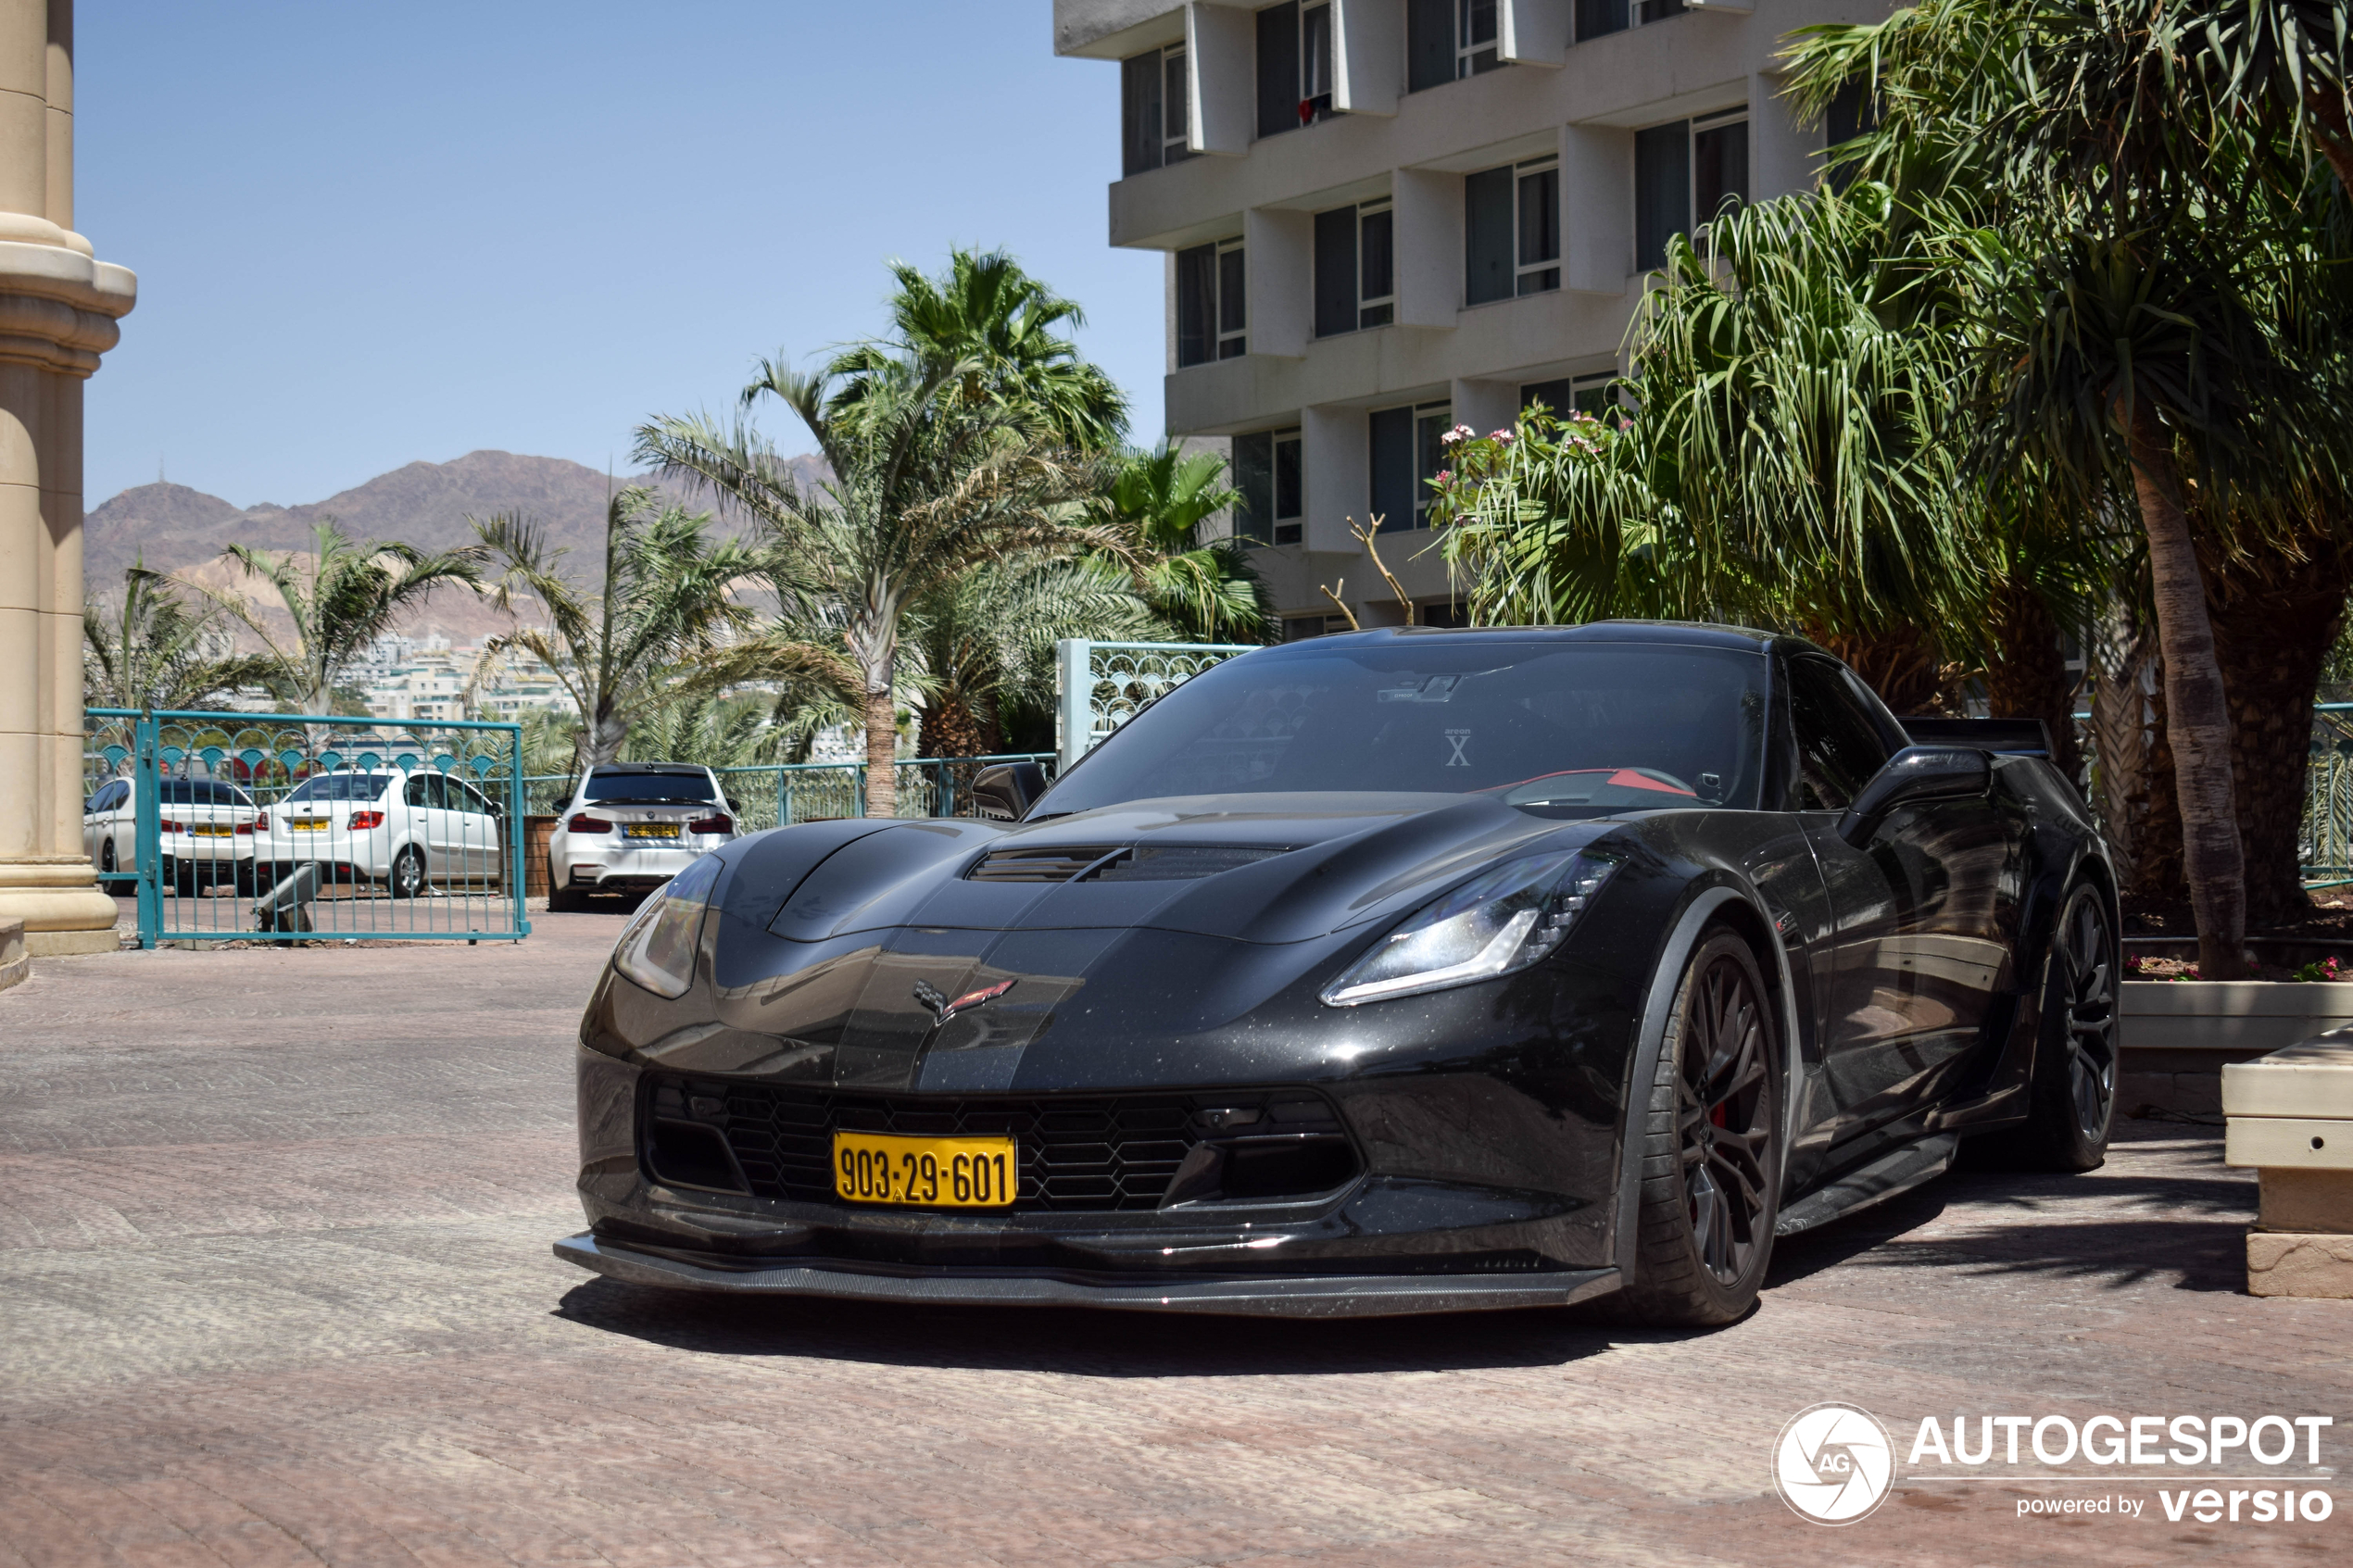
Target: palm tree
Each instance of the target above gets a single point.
(982, 643)
(152, 651)
(956, 445)
(2127, 332)
(662, 599)
(340, 598)
(1209, 592)
(694, 725)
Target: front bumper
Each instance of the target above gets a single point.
(1322, 1296)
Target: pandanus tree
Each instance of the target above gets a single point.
(2121, 258)
(339, 597)
(615, 645)
(1207, 591)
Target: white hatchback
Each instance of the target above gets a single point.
(629, 826)
(405, 830)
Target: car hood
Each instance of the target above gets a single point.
(1252, 868)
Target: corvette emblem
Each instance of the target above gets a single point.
(942, 1010)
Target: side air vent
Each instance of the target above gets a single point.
(1037, 865)
(1177, 862)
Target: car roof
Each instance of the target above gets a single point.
(691, 769)
(1686, 634)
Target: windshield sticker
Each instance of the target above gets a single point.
(1432, 688)
(1458, 739)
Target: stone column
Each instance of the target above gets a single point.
(58, 310)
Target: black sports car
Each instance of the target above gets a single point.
(1398, 971)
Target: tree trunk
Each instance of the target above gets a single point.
(951, 728)
(882, 751)
(2028, 678)
(2134, 783)
(2274, 619)
(2198, 714)
(2335, 138)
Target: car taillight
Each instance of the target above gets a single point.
(261, 823)
(246, 827)
(168, 825)
(583, 823)
(365, 820)
(711, 824)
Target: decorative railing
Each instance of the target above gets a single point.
(1098, 686)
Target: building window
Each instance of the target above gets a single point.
(1271, 508)
(1153, 106)
(1407, 454)
(1596, 19)
(1853, 113)
(1571, 394)
(1444, 612)
(1299, 628)
(1684, 173)
(1511, 231)
(1355, 267)
(1294, 65)
(1446, 40)
(1659, 10)
(1211, 315)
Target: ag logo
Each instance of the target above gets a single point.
(1832, 1463)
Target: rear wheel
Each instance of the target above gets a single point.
(1711, 1147)
(565, 900)
(407, 878)
(2074, 1094)
(105, 854)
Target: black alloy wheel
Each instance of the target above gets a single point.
(2084, 979)
(1711, 1136)
(105, 854)
(1723, 1128)
(406, 879)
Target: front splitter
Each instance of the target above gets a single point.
(1350, 1296)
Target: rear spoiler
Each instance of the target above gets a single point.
(2012, 737)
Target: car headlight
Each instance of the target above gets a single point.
(1498, 921)
(657, 948)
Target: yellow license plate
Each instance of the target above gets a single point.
(212, 829)
(925, 1173)
(308, 825)
(650, 830)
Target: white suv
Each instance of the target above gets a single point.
(629, 826)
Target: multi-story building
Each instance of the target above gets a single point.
(1387, 218)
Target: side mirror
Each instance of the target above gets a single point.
(1005, 793)
(1914, 774)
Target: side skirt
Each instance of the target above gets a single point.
(1890, 1173)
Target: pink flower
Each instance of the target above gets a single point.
(1503, 435)
(1625, 423)
(1446, 474)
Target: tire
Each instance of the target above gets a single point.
(2072, 1105)
(407, 877)
(1711, 1139)
(179, 876)
(566, 900)
(105, 855)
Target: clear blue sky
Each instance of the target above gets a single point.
(370, 235)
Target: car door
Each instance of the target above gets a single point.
(427, 824)
(1919, 909)
(98, 823)
(473, 829)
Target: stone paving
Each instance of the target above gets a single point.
(275, 1288)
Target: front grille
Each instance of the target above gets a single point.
(1099, 1154)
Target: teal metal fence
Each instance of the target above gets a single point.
(362, 828)
(781, 794)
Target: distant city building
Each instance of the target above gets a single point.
(1382, 218)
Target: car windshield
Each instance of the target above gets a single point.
(649, 788)
(1560, 728)
(340, 786)
(200, 792)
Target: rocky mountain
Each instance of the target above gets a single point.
(183, 531)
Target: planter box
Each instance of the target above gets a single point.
(2291, 1120)
(2177, 1036)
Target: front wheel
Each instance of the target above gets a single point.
(1711, 1147)
(406, 879)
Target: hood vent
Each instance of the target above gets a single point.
(1037, 865)
(1110, 863)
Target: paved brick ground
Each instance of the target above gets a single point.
(275, 1288)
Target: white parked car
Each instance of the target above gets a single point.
(404, 830)
(205, 829)
(629, 826)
